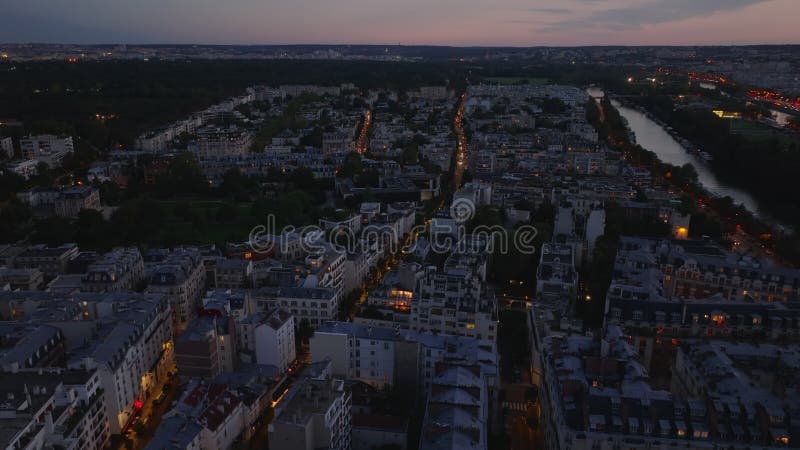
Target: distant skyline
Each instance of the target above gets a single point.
(407, 22)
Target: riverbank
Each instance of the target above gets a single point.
(688, 146)
(734, 219)
(655, 136)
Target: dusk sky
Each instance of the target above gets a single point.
(442, 22)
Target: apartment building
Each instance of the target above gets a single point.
(53, 408)
(233, 273)
(357, 352)
(315, 413)
(7, 147)
(22, 279)
(25, 168)
(38, 197)
(26, 346)
(214, 142)
(176, 433)
(454, 302)
(160, 139)
(314, 305)
(458, 408)
(121, 269)
(340, 141)
(268, 338)
(359, 263)
(218, 413)
(556, 275)
(707, 373)
(207, 347)
(46, 148)
(181, 277)
(74, 199)
(51, 261)
(599, 395)
(700, 290)
(127, 338)
(235, 303)
(381, 356)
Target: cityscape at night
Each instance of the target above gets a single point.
(378, 225)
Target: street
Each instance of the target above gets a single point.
(362, 143)
(144, 426)
(462, 151)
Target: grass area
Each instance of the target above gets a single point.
(757, 132)
(747, 125)
(204, 221)
(518, 80)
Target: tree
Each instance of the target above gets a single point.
(227, 213)
(137, 222)
(410, 154)
(53, 231)
(92, 231)
(15, 218)
(487, 216)
(44, 176)
(110, 192)
(553, 106)
(314, 138)
(10, 184)
(237, 186)
(183, 210)
(183, 177)
(352, 165)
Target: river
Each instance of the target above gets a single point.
(655, 138)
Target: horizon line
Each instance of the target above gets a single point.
(402, 45)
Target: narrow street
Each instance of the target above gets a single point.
(144, 426)
(519, 413)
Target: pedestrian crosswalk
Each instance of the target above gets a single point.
(515, 406)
